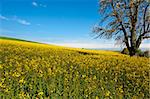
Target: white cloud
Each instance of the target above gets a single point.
(34, 4)
(24, 22)
(96, 45)
(3, 18)
(21, 21)
(38, 4)
(145, 45)
(87, 45)
(42, 5)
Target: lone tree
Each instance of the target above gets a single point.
(125, 20)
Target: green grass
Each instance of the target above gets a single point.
(16, 39)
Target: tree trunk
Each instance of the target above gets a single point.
(133, 39)
(132, 52)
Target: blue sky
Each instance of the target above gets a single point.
(60, 22)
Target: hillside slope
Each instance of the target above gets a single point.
(31, 70)
(16, 39)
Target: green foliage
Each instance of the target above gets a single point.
(146, 53)
(143, 53)
(139, 52)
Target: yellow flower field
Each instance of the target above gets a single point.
(32, 70)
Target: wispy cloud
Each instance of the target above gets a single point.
(145, 45)
(35, 4)
(95, 45)
(42, 5)
(87, 45)
(24, 22)
(21, 21)
(15, 18)
(3, 17)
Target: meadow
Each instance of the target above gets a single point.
(40, 71)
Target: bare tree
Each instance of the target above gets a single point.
(125, 20)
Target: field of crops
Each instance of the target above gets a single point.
(30, 70)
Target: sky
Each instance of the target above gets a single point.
(60, 22)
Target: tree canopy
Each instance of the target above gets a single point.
(127, 21)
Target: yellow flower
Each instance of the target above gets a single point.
(107, 93)
(59, 69)
(40, 93)
(1, 66)
(16, 74)
(94, 77)
(97, 97)
(83, 76)
(21, 81)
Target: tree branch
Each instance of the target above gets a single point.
(148, 26)
(146, 37)
(123, 29)
(144, 17)
(145, 31)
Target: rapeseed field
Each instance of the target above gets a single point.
(40, 71)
